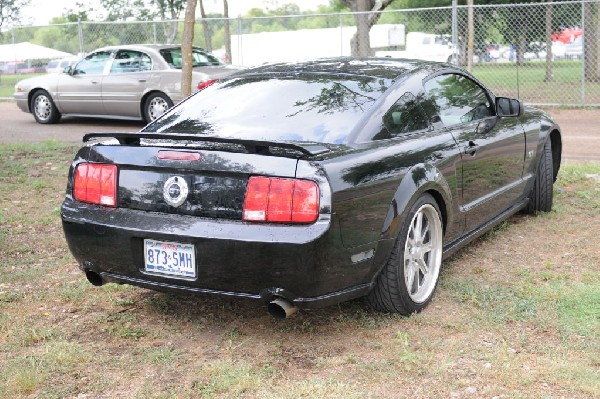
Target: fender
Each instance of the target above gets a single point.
(420, 179)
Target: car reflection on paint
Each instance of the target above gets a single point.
(306, 184)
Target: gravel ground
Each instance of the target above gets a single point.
(580, 128)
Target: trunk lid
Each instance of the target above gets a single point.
(178, 175)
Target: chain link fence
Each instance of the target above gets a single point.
(543, 53)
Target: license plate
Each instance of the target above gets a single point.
(171, 258)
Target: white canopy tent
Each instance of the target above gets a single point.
(20, 52)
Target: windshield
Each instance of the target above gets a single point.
(313, 108)
(199, 58)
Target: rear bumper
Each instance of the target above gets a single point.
(306, 264)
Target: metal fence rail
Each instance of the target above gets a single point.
(544, 53)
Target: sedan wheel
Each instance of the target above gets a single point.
(156, 104)
(407, 282)
(43, 108)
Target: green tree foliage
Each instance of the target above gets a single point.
(10, 11)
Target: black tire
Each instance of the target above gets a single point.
(43, 109)
(155, 105)
(395, 290)
(540, 198)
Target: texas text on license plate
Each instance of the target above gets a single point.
(172, 258)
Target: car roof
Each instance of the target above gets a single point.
(155, 47)
(383, 68)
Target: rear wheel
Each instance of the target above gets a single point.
(408, 280)
(43, 108)
(540, 199)
(155, 105)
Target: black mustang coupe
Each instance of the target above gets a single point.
(307, 184)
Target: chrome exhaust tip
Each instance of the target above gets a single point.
(281, 308)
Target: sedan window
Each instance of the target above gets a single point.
(458, 99)
(93, 63)
(127, 61)
(199, 58)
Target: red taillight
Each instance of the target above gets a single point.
(96, 183)
(281, 200)
(206, 83)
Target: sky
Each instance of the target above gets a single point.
(40, 12)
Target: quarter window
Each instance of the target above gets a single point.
(458, 99)
(405, 116)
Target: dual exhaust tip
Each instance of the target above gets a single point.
(279, 308)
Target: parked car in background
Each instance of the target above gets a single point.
(59, 65)
(307, 184)
(16, 68)
(131, 82)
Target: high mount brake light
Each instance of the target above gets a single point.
(279, 200)
(206, 83)
(96, 183)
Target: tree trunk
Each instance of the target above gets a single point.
(591, 42)
(227, 32)
(549, 66)
(186, 48)
(470, 35)
(360, 43)
(206, 28)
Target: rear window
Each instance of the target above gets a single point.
(315, 108)
(199, 58)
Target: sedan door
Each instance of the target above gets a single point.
(127, 81)
(492, 147)
(80, 92)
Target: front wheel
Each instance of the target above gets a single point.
(408, 280)
(43, 108)
(155, 105)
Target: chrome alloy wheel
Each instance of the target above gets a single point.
(423, 253)
(42, 107)
(156, 107)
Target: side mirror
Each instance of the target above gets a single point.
(68, 70)
(508, 107)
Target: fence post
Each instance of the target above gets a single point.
(239, 42)
(154, 32)
(583, 55)
(455, 30)
(341, 35)
(80, 32)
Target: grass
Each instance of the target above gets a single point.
(7, 83)
(515, 315)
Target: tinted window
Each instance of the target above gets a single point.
(199, 58)
(405, 116)
(127, 61)
(458, 99)
(306, 108)
(93, 63)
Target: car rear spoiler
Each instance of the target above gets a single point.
(254, 146)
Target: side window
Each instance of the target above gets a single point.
(405, 116)
(93, 63)
(458, 99)
(128, 61)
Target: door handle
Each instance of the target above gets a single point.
(471, 149)
(94, 82)
(142, 80)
